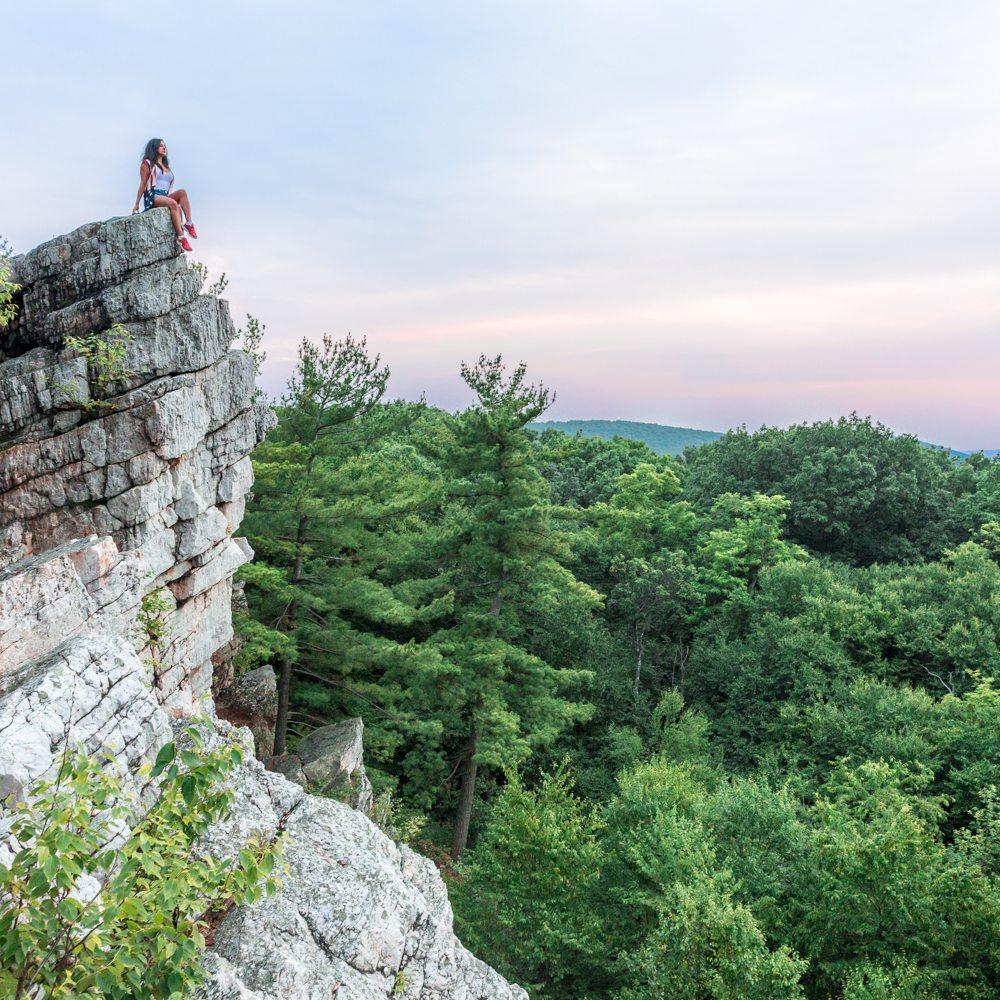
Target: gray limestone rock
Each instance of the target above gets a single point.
(158, 460)
(290, 766)
(356, 916)
(82, 586)
(332, 760)
(92, 691)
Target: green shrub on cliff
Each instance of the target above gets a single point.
(105, 354)
(85, 914)
(8, 288)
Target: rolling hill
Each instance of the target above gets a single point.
(662, 438)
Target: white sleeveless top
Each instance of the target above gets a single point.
(163, 180)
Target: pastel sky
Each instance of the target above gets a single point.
(699, 213)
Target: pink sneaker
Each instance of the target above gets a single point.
(191, 231)
(183, 240)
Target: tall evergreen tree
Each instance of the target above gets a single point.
(331, 497)
(413, 569)
(503, 555)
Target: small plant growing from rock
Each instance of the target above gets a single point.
(396, 821)
(85, 913)
(152, 622)
(105, 357)
(199, 269)
(8, 288)
(218, 286)
(252, 335)
(338, 793)
(251, 338)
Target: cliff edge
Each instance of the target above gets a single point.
(126, 424)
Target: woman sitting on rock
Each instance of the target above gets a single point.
(156, 180)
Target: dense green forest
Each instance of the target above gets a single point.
(719, 726)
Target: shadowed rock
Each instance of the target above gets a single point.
(251, 700)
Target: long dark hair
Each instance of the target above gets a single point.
(150, 153)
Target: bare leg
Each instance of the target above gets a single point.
(162, 201)
(181, 197)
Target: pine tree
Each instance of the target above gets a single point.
(333, 495)
(502, 555)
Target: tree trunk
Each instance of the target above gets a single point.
(285, 625)
(470, 767)
(463, 816)
(281, 720)
(640, 646)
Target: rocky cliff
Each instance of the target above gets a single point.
(124, 474)
(109, 492)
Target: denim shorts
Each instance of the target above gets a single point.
(148, 198)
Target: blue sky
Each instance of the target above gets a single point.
(694, 213)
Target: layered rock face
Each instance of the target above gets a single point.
(113, 491)
(153, 467)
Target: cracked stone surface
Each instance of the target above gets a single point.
(155, 463)
(80, 586)
(357, 916)
(92, 691)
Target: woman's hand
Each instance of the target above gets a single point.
(135, 208)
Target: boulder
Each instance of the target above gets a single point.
(330, 759)
(290, 766)
(357, 915)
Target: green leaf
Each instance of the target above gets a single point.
(107, 982)
(163, 758)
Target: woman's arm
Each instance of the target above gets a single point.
(143, 178)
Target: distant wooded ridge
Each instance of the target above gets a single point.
(662, 438)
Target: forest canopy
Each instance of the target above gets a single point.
(717, 726)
